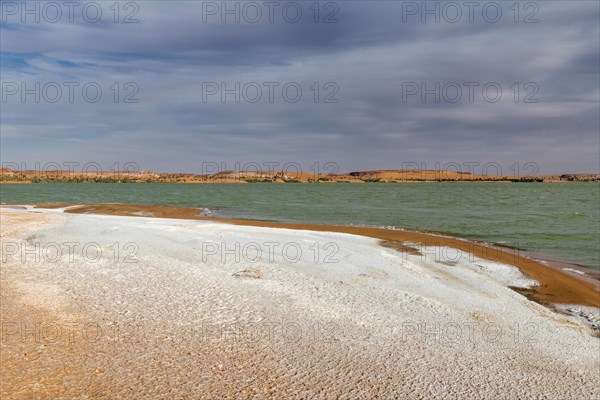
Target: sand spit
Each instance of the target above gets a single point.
(164, 308)
(556, 285)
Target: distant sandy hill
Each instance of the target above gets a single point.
(9, 176)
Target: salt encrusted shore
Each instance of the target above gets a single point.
(176, 309)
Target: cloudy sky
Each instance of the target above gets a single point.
(362, 84)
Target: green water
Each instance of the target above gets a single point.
(553, 219)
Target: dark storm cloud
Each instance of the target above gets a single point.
(370, 55)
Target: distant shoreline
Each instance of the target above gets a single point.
(374, 176)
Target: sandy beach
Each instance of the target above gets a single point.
(149, 306)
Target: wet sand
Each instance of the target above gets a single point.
(556, 286)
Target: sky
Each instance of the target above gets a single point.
(336, 86)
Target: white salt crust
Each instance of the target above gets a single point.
(370, 323)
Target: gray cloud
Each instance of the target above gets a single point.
(369, 54)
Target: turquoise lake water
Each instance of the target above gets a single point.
(560, 220)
